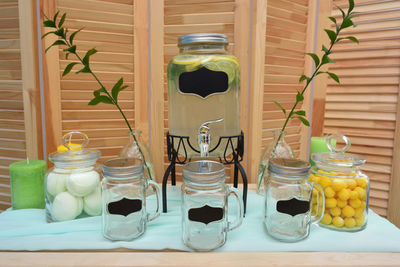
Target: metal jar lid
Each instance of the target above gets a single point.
(290, 168)
(204, 172)
(77, 155)
(214, 38)
(123, 167)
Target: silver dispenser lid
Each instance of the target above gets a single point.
(215, 38)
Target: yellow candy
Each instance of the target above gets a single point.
(338, 185)
(355, 203)
(348, 211)
(349, 222)
(326, 219)
(354, 195)
(330, 203)
(329, 192)
(344, 194)
(335, 211)
(325, 182)
(338, 221)
(341, 203)
(361, 192)
(360, 220)
(358, 213)
(363, 205)
(362, 182)
(351, 183)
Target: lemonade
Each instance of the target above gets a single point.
(187, 111)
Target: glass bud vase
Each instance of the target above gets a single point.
(137, 149)
(281, 150)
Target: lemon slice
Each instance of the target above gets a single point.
(187, 60)
(229, 67)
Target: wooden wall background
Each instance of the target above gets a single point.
(364, 106)
(137, 38)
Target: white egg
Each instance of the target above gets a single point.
(82, 183)
(56, 183)
(65, 207)
(92, 203)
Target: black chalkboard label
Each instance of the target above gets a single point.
(206, 214)
(293, 206)
(124, 206)
(203, 82)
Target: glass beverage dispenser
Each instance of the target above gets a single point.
(203, 85)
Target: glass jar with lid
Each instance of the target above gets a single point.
(288, 196)
(203, 85)
(72, 187)
(346, 187)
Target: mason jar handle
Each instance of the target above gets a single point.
(157, 213)
(239, 206)
(315, 219)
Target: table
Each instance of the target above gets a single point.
(387, 241)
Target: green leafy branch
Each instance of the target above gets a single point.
(101, 95)
(319, 62)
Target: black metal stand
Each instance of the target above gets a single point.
(235, 157)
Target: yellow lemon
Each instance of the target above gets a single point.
(329, 192)
(336, 211)
(351, 183)
(330, 203)
(362, 182)
(348, 211)
(361, 192)
(344, 194)
(326, 219)
(354, 195)
(338, 221)
(355, 203)
(338, 185)
(360, 220)
(349, 222)
(358, 212)
(341, 203)
(325, 182)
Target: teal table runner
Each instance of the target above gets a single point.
(28, 230)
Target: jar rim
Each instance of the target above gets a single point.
(290, 168)
(211, 38)
(203, 172)
(123, 167)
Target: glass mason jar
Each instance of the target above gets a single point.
(346, 187)
(205, 205)
(138, 149)
(281, 150)
(288, 196)
(203, 85)
(124, 199)
(72, 187)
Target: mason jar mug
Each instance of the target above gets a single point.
(124, 199)
(205, 205)
(288, 196)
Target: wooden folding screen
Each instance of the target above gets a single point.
(365, 105)
(20, 130)
(107, 26)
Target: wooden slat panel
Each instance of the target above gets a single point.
(109, 27)
(364, 106)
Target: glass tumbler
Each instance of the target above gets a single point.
(288, 196)
(124, 199)
(205, 205)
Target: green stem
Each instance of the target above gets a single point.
(115, 104)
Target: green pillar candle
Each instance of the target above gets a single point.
(27, 184)
(318, 145)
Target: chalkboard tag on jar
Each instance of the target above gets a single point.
(206, 214)
(124, 206)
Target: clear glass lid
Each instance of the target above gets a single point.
(76, 155)
(338, 157)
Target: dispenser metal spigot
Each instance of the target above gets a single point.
(205, 137)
